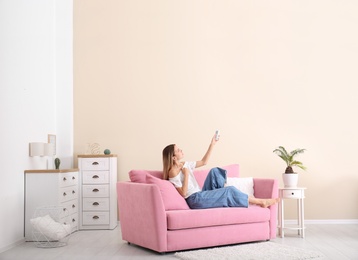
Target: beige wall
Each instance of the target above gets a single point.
(266, 73)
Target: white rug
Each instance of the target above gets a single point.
(251, 251)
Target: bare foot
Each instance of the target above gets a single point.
(269, 202)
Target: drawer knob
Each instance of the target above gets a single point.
(73, 206)
(64, 209)
(95, 163)
(95, 177)
(73, 220)
(73, 178)
(95, 190)
(64, 194)
(293, 193)
(64, 179)
(73, 192)
(95, 204)
(95, 217)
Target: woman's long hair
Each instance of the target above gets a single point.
(168, 154)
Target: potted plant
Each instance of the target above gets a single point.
(290, 178)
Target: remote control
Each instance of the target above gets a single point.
(217, 135)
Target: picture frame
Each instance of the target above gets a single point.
(51, 138)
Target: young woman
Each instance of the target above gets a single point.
(214, 193)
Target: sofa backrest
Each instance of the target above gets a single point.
(232, 170)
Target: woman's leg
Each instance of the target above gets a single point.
(224, 197)
(216, 179)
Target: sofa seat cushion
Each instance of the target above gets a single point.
(195, 218)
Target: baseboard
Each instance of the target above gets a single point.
(323, 221)
(5, 248)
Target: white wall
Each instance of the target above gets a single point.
(64, 79)
(35, 96)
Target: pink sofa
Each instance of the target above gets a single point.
(153, 215)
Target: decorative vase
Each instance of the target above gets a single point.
(290, 179)
(57, 163)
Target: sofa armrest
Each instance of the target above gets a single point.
(268, 188)
(265, 188)
(142, 215)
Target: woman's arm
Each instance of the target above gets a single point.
(184, 188)
(206, 157)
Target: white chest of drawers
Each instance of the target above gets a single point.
(47, 188)
(98, 196)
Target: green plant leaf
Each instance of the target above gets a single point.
(289, 157)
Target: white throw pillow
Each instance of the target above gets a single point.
(50, 228)
(245, 185)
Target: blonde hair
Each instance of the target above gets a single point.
(168, 154)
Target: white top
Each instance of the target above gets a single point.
(178, 180)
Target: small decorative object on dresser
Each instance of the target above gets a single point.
(98, 196)
(290, 178)
(107, 151)
(57, 163)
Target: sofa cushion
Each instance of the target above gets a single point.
(184, 219)
(171, 198)
(245, 185)
(140, 175)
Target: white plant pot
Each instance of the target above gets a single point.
(290, 179)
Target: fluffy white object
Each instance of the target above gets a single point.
(50, 228)
(245, 185)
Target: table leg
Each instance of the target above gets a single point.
(282, 222)
(299, 216)
(302, 218)
(279, 219)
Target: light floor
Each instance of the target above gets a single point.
(334, 241)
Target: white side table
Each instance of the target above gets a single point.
(297, 193)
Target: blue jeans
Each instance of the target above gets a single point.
(215, 195)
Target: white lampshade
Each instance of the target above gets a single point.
(49, 149)
(37, 149)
